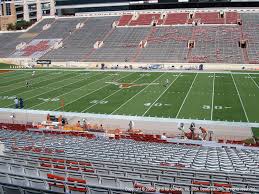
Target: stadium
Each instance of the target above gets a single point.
(120, 97)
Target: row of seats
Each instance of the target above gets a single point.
(114, 178)
(209, 158)
(102, 170)
(14, 161)
(250, 33)
(212, 44)
(178, 18)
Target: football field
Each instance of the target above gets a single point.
(182, 95)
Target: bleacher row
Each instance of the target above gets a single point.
(64, 163)
(179, 18)
(218, 43)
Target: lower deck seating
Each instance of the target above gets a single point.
(111, 166)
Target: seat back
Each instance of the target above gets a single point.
(11, 190)
(98, 191)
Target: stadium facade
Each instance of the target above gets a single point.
(28, 10)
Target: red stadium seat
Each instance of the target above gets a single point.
(56, 177)
(78, 189)
(70, 179)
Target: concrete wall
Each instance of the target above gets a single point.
(179, 66)
(207, 66)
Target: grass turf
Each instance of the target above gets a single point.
(206, 96)
(255, 131)
(5, 66)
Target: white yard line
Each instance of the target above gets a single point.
(137, 93)
(71, 90)
(93, 90)
(110, 95)
(254, 81)
(240, 98)
(186, 96)
(13, 77)
(48, 90)
(37, 82)
(161, 95)
(23, 77)
(212, 100)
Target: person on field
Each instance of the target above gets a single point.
(84, 124)
(21, 103)
(33, 74)
(27, 84)
(16, 102)
(78, 124)
(131, 125)
(181, 128)
(192, 128)
(166, 82)
(48, 117)
(204, 132)
(163, 136)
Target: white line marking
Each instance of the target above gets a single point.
(93, 90)
(186, 96)
(16, 83)
(111, 94)
(212, 101)
(240, 98)
(161, 95)
(48, 90)
(71, 90)
(13, 77)
(254, 81)
(137, 93)
(38, 81)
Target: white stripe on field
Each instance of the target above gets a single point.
(48, 90)
(71, 90)
(111, 95)
(240, 98)
(186, 96)
(212, 101)
(37, 82)
(138, 93)
(161, 95)
(93, 91)
(254, 81)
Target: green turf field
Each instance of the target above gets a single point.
(255, 131)
(209, 96)
(5, 66)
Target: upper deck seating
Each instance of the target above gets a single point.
(144, 19)
(176, 18)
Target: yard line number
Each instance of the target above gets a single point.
(208, 107)
(49, 99)
(156, 104)
(99, 102)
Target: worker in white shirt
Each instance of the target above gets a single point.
(163, 136)
(16, 102)
(131, 125)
